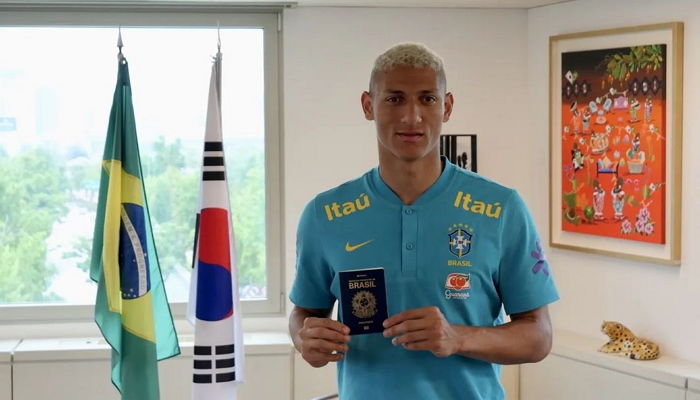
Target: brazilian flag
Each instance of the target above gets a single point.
(131, 308)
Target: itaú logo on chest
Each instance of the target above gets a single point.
(338, 210)
(465, 201)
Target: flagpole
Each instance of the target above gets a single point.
(214, 306)
(218, 34)
(131, 307)
(218, 63)
(120, 44)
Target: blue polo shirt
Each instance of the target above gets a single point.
(468, 246)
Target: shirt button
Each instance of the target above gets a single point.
(409, 211)
(410, 246)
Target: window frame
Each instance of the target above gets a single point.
(266, 16)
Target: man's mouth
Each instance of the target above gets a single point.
(410, 136)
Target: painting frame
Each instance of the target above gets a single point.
(670, 34)
(454, 145)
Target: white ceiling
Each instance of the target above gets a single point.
(432, 3)
(523, 4)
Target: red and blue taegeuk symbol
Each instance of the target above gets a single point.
(214, 290)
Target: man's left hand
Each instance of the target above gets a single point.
(423, 329)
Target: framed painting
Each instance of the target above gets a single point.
(460, 150)
(615, 141)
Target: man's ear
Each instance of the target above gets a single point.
(366, 101)
(449, 102)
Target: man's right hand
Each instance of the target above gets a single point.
(319, 339)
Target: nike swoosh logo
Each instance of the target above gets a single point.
(349, 247)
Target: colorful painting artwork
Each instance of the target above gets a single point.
(613, 142)
(615, 139)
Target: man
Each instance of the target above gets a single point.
(455, 247)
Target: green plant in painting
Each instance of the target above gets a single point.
(570, 202)
(619, 66)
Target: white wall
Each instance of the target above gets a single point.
(328, 56)
(497, 65)
(656, 301)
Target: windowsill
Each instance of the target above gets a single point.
(88, 328)
(33, 342)
(66, 349)
(667, 370)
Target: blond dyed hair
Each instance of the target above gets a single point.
(409, 55)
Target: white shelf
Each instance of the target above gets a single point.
(6, 347)
(667, 370)
(32, 350)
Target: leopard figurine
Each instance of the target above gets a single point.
(625, 343)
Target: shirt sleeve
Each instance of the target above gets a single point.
(525, 277)
(312, 283)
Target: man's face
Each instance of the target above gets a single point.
(408, 106)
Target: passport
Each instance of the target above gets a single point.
(363, 300)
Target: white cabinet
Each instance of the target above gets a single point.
(71, 369)
(268, 369)
(63, 379)
(563, 378)
(310, 382)
(6, 347)
(575, 370)
(693, 388)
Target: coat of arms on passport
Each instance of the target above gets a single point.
(363, 300)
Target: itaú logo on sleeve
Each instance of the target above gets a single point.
(455, 285)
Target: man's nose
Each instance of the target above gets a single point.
(412, 114)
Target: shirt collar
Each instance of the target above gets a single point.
(384, 191)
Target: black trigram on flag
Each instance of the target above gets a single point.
(214, 364)
(213, 165)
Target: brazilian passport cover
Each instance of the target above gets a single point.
(363, 300)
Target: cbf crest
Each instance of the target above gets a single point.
(460, 241)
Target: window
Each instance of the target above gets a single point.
(56, 87)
